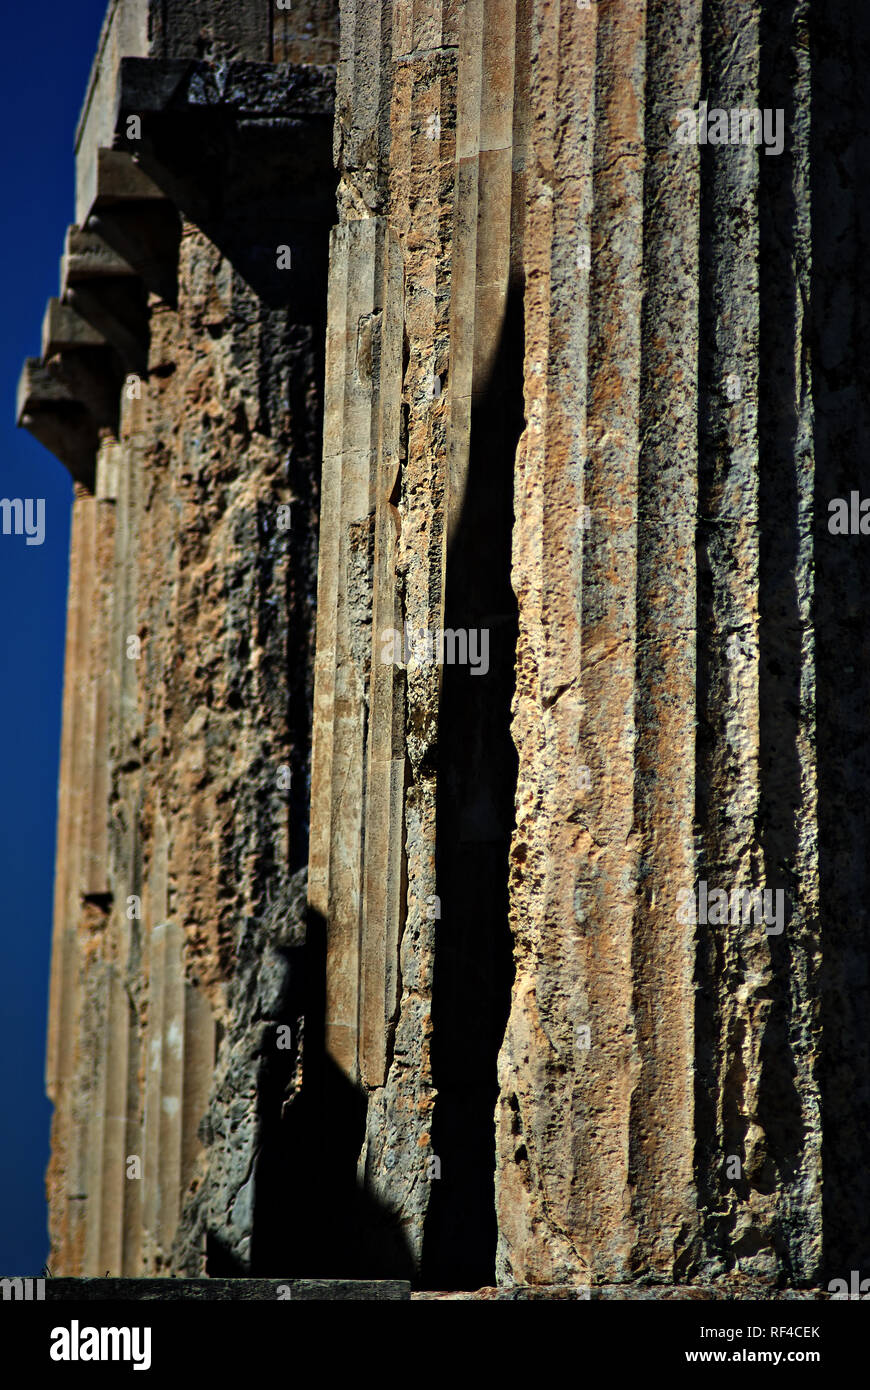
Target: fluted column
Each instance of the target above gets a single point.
(677, 1129)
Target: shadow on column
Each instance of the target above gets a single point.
(477, 773)
(840, 328)
(786, 1040)
(313, 1219)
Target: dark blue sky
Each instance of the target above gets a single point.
(44, 63)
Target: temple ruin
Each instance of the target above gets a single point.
(381, 326)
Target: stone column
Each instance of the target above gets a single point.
(639, 183)
(181, 383)
(676, 1132)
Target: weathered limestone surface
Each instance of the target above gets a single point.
(183, 800)
(515, 203)
(224, 1290)
(549, 381)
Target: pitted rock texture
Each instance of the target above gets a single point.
(205, 643)
(258, 1075)
(579, 395)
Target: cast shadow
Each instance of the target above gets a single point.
(313, 1218)
(477, 775)
(840, 332)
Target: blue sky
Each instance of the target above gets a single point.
(44, 62)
